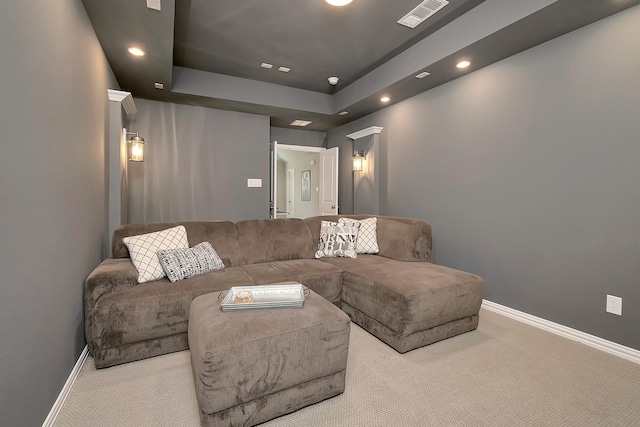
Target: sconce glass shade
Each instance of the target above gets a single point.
(137, 152)
(137, 148)
(358, 160)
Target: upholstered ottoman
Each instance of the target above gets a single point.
(254, 365)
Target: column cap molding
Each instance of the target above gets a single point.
(365, 132)
(124, 98)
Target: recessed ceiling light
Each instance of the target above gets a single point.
(385, 99)
(284, 69)
(338, 2)
(266, 65)
(343, 113)
(463, 64)
(158, 85)
(136, 51)
(300, 123)
(422, 75)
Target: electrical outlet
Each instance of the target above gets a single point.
(614, 305)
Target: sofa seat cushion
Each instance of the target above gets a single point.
(156, 309)
(408, 297)
(322, 278)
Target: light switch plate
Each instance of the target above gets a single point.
(254, 182)
(154, 4)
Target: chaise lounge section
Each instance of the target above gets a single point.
(401, 297)
(398, 295)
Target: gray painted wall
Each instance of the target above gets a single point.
(197, 162)
(307, 138)
(53, 115)
(528, 172)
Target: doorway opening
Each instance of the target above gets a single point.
(304, 181)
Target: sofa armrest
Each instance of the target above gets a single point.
(404, 239)
(112, 275)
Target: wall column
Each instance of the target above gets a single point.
(121, 107)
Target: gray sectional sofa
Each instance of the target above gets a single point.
(397, 295)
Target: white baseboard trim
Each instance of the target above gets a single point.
(564, 331)
(64, 393)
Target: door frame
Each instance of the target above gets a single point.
(274, 168)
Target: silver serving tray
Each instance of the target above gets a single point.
(279, 295)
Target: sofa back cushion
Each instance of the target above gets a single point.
(404, 239)
(222, 235)
(266, 240)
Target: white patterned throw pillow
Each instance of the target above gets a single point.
(181, 264)
(367, 235)
(338, 240)
(143, 250)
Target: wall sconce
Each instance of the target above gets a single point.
(137, 147)
(358, 160)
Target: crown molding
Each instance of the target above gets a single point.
(365, 132)
(123, 98)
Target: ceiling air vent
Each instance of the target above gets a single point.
(421, 12)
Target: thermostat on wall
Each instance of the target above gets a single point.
(254, 182)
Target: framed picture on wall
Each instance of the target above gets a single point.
(305, 188)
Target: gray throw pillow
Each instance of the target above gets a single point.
(181, 264)
(338, 240)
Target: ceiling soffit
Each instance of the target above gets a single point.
(482, 31)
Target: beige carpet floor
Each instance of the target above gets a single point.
(504, 374)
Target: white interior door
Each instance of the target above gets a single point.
(291, 191)
(274, 180)
(329, 181)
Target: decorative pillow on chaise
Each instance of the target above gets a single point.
(338, 240)
(181, 264)
(367, 235)
(143, 250)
